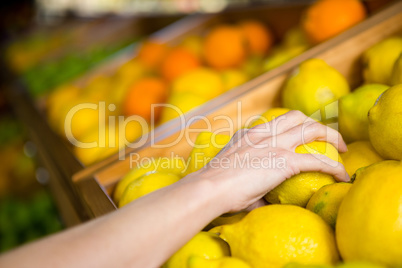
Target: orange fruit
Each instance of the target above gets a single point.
(258, 37)
(152, 53)
(177, 62)
(224, 47)
(327, 18)
(144, 93)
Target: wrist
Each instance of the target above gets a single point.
(210, 189)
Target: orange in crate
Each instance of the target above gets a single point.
(152, 53)
(258, 37)
(327, 18)
(224, 47)
(177, 62)
(144, 93)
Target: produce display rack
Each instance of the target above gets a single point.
(83, 193)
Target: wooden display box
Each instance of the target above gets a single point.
(96, 183)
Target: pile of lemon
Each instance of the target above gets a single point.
(184, 75)
(311, 220)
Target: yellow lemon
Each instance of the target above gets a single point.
(58, 102)
(359, 264)
(359, 154)
(296, 37)
(369, 226)
(228, 219)
(252, 66)
(101, 142)
(385, 124)
(206, 146)
(312, 87)
(281, 55)
(274, 235)
(232, 78)
(174, 165)
(204, 82)
(203, 244)
(193, 43)
(298, 189)
(396, 76)
(179, 104)
(353, 110)
(225, 262)
(146, 184)
(326, 201)
(269, 115)
(379, 60)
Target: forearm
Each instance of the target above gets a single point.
(142, 234)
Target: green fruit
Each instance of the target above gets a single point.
(385, 124)
(281, 55)
(379, 60)
(353, 110)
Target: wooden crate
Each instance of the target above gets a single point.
(342, 52)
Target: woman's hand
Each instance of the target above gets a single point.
(257, 160)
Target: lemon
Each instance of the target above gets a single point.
(225, 262)
(359, 154)
(102, 146)
(312, 87)
(206, 146)
(326, 201)
(298, 265)
(56, 100)
(124, 78)
(298, 189)
(385, 124)
(174, 165)
(396, 76)
(252, 66)
(359, 264)
(295, 37)
(98, 88)
(204, 82)
(182, 102)
(269, 115)
(379, 60)
(281, 55)
(146, 184)
(232, 78)
(354, 264)
(228, 219)
(108, 142)
(274, 235)
(369, 226)
(193, 43)
(353, 110)
(203, 244)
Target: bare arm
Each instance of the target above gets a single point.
(146, 232)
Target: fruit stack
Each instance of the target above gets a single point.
(310, 220)
(185, 75)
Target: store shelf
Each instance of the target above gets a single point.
(342, 52)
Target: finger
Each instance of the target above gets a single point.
(235, 140)
(309, 132)
(286, 121)
(281, 124)
(318, 163)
